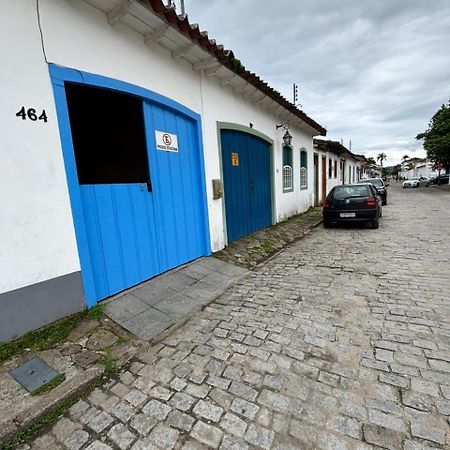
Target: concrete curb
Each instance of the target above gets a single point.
(70, 388)
(52, 400)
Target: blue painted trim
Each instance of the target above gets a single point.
(74, 192)
(58, 76)
(61, 74)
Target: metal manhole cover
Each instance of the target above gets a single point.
(33, 374)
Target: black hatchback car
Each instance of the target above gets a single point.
(439, 179)
(380, 187)
(352, 203)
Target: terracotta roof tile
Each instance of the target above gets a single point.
(225, 57)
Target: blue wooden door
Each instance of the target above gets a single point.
(177, 188)
(247, 183)
(260, 184)
(121, 235)
(143, 209)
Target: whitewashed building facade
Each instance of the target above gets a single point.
(333, 164)
(131, 143)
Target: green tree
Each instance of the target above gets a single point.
(370, 161)
(436, 140)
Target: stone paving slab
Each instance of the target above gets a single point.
(156, 305)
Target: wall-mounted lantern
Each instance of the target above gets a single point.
(287, 138)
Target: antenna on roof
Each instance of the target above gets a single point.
(350, 144)
(295, 94)
(183, 10)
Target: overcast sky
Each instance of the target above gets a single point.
(373, 71)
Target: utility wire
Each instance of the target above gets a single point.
(40, 30)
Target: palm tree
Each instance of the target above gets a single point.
(381, 157)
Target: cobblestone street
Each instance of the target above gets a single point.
(341, 341)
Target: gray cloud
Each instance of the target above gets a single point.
(373, 71)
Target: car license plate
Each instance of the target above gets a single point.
(352, 214)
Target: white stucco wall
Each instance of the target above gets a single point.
(350, 166)
(37, 240)
(36, 223)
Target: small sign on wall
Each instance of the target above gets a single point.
(235, 159)
(166, 142)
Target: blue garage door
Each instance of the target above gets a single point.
(247, 183)
(141, 187)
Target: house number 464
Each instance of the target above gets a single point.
(31, 114)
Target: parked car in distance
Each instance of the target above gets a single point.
(439, 179)
(416, 182)
(352, 203)
(380, 186)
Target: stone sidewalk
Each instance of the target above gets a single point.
(153, 307)
(341, 341)
(81, 356)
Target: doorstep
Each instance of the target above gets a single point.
(170, 299)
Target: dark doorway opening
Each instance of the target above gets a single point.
(316, 180)
(108, 136)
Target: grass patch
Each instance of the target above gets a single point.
(111, 368)
(96, 312)
(121, 340)
(49, 336)
(50, 385)
(267, 246)
(49, 419)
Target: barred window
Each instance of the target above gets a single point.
(303, 169)
(288, 176)
(303, 178)
(288, 184)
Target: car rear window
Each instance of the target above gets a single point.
(375, 181)
(341, 192)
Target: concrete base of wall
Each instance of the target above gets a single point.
(31, 307)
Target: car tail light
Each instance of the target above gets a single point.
(326, 204)
(372, 202)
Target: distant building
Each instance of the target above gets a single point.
(333, 164)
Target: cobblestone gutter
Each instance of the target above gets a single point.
(258, 247)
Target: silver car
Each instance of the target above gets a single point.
(416, 182)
